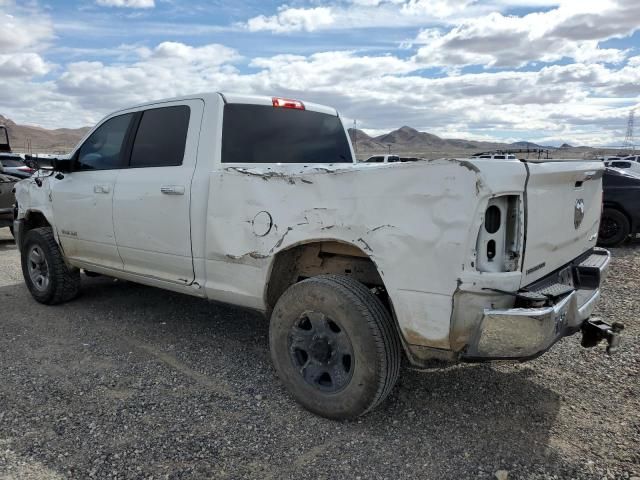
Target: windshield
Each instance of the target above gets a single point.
(264, 134)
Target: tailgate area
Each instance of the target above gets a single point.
(563, 206)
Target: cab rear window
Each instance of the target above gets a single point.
(264, 134)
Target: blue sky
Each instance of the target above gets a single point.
(541, 70)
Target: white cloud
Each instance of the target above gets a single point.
(127, 3)
(435, 8)
(19, 33)
(293, 19)
(364, 14)
(573, 30)
(167, 70)
(586, 101)
(22, 65)
(582, 103)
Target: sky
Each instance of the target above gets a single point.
(547, 71)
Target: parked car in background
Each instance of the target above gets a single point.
(624, 164)
(497, 156)
(383, 159)
(621, 206)
(390, 159)
(7, 200)
(13, 164)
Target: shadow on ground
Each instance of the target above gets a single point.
(140, 381)
(7, 244)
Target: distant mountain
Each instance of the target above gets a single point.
(408, 139)
(410, 136)
(42, 140)
(363, 141)
(525, 144)
(566, 145)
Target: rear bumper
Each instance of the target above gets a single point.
(525, 333)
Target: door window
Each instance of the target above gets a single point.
(161, 137)
(103, 149)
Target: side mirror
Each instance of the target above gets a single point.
(64, 165)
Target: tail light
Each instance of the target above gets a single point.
(498, 248)
(287, 103)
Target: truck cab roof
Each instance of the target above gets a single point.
(234, 98)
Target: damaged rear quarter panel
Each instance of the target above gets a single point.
(417, 221)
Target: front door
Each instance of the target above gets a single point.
(152, 199)
(82, 200)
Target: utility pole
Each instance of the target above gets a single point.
(355, 135)
(628, 139)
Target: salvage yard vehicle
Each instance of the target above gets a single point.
(621, 206)
(382, 159)
(7, 200)
(624, 164)
(258, 202)
(12, 164)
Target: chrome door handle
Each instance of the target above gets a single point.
(101, 188)
(172, 189)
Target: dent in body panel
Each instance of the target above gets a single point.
(416, 221)
(32, 198)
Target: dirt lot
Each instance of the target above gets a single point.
(133, 382)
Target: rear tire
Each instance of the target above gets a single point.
(614, 228)
(45, 272)
(334, 346)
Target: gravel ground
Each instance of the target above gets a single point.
(132, 382)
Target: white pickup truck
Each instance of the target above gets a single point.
(257, 202)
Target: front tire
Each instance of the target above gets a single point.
(334, 346)
(45, 272)
(614, 228)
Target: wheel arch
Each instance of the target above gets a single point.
(311, 258)
(316, 257)
(27, 221)
(621, 209)
(35, 219)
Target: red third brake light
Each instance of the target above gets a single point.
(286, 103)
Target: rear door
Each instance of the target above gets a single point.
(151, 203)
(563, 205)
(7, 198)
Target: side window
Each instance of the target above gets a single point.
(375, 160)
(161, 137)
(103, 149)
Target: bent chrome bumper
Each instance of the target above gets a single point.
(525, 333)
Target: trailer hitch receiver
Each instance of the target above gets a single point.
(593, 331)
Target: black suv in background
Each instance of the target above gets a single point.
(621, 206)
(7, 199)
